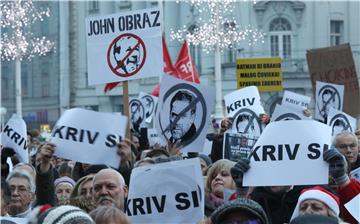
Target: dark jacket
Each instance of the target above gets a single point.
(217, 148)
(45, 188)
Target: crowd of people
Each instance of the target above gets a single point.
(50, 189)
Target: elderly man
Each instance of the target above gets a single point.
(347, 144)
(22, 190)
(109, 188)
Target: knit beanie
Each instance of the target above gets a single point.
(65, 214)
(240, 204)
(320, 194)
(310, 219)
(64, 179)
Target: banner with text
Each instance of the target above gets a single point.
(14, 136)
(173, 193)
(295, 101)
(89, 136)
(336, 65)
(265, 73)
(124, 46)
(287, 151)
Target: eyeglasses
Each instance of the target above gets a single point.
(345, 146)
(253, 221)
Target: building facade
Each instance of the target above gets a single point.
(290, 27)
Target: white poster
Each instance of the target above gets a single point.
(88, 136)
(13, 220)
(340, 121)
(287, 152)
(137, 115)
(14, 136)
(353, 207)
(248, 97)
(154, 137)
(150, 103)
(183, 114)
(173, 193)
(284, 113)
(295, 101)
(355, 174)
(328, 95)
(124, 46)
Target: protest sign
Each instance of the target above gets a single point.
(173, 193)
(243, 98)
(336, 65)
(150, 103)
(265, 73)
(88, 136)
(14, 136)
(183, 114)
(13, 220)
(124, 46)
(287, 151)
(327, 96)
(295, 101)
(353, 207)
(355, 174)
(137, 114)
(340, 121)
(237, 146)
(282, 113)
(154, 137)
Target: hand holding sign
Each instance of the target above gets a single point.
(338, 166)
(45, 154)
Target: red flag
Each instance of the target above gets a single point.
(184, 65)
(110, 86)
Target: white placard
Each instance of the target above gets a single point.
(154, 137)
(88, 136)
(150, 103)
(353, 207)
(287, 151)
(14, 136)
(340, 121)
(355, 174)
(13, 220)
(282, 113)
(124, 46)
(295, 101)
(137, 115)
(248, 97)
(328, 95)
(183, 114)
(173, 193)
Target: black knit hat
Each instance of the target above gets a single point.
(246, 205)
(65, 214)
(314, 219)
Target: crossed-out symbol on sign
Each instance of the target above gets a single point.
(248, 117)
(149, 105)
(137, 113)
(198, 99)
(324, 102)
(340, 120)
(126, 55)
(288, 116)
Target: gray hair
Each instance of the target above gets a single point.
(344, 133)
(121, 178)
(24, 175)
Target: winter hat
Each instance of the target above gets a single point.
(243, 204)
(206, 159)
(65, 214)
(64, 179)
(320, 194)
(311, 219)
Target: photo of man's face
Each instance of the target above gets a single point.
(243, 125)
(328, 101)
(135, 112)
(338, 127)
(181, 120)
(121, 49)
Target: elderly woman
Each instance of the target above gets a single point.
(218, 179)
(63, 188)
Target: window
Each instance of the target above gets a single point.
(93, 6)
(45, 84)
(280, 38)
(336, 32)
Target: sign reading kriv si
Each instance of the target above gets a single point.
(287, 152)
(265, 73)
(173, 193)
(243, 98)
(14, 136)
(88, 136)
(336, 65)
(296, 101)
(124, 46)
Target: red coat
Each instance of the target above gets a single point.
(346, 194)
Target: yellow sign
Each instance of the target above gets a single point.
(265, 73)
(45, 128)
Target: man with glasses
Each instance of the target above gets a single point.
(347, 143)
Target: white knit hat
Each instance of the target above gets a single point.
(65, 214)
(320, 194)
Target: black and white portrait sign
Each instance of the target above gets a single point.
(137, 114)
(340, 121)
(328, 96)
(183, 114)
(149, 102)
(285, 113)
